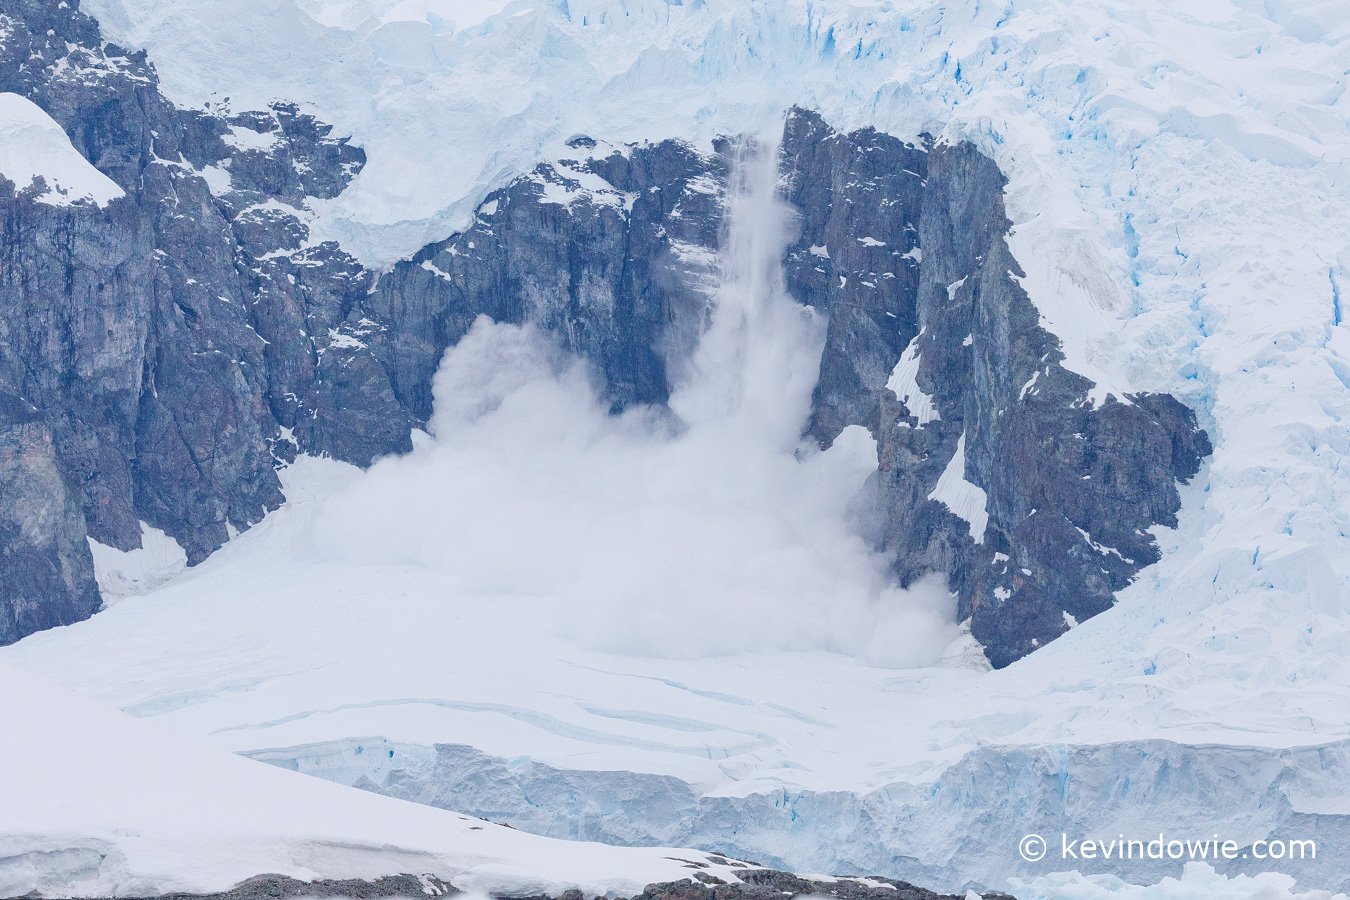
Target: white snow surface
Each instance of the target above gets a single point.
(276, 641)
(33, 146)
(1198, 882)
(966, 500)
(97, 803)
(904, 384)
(123, 572)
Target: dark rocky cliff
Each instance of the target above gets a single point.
(754, 883)
(162, 355)
(611, 249)
(905, 247)
(155, 340)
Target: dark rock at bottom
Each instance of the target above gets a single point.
(755, 884)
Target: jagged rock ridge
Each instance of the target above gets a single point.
(994, 466)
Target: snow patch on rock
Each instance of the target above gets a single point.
(966, 500)
(904, 384)
(33, 146)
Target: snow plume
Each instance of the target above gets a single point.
(704, 529)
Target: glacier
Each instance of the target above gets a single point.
(1164, 165)
(112, 806)
(372, 673)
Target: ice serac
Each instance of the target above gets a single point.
(963, 826)
(936, 347)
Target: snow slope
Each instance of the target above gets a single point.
(275, 642)
(33, 146)
(98, 803)
(349, 669)
(124, 572)
(113, 806)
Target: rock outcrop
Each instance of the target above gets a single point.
(755, 884)
(162, 353)
(995, 467)
(155, 346)
(612, 250)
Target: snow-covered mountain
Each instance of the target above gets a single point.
(1026, 486)
(1053, 290)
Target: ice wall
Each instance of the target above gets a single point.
(964, 827)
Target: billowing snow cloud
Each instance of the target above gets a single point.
(706, 528)
(650, 539)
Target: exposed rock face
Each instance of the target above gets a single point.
(857, 260)
(994, 467)
(613, 251)
(148, 335)
(755, 884)
(163, 353)
(44, 559)
(767, 884)
(279, 887)
(169, 349)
